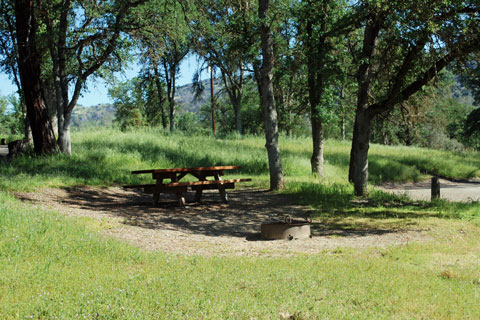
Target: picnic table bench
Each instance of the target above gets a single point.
(168, 181)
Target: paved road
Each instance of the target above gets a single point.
(453, 191)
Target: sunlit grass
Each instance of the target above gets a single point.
(57, 267)
(54, 267)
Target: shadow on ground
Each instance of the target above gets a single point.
(241, 217)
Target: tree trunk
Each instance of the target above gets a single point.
(64, 141)
(268, 102)
(29, 68)
(316, 82)
(172, 115)
(51, 104)
(237, 107)
(358, 172)
(316, 160)
(160, 97)
(170, 80)
(28, 129)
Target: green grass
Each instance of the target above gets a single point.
(57, 267)
(54, 267)
(106, 157)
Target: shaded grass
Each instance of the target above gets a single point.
(106, 156)
(336, 201)
(57, 267)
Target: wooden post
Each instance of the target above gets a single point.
(435, 188)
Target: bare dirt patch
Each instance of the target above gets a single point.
(210, 227)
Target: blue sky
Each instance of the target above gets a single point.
(97, 91)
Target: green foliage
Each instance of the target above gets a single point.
(225, 36)
(251, 113)
(434, 118)
(470, 76)
(11, 116)
(129, 104)
(472, 128)
(135, 104)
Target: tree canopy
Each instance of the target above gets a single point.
(368, 70)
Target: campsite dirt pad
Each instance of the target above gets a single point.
(210, 227)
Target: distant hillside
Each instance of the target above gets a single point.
(99, 115)
(104, 114)
(185, 96)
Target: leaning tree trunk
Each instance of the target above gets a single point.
(268, 102)
(358, 172)
(29, 68)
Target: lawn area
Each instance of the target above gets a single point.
(58, 267)
(54, 266)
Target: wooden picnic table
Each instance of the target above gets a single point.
(168, 181)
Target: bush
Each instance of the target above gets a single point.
(439, 140)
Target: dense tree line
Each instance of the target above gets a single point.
(370, 70)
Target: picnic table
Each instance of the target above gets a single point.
(168, 181)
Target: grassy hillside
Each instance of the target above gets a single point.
(95, 116)
(185, 96)
(57, 267)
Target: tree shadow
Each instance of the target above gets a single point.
(241, 217)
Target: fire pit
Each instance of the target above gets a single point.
(287, 229)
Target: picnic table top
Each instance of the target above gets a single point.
(181, 170)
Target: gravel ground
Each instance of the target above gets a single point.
(207, 228)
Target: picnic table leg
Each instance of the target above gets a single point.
(221, 189)
(198, 195)
(156, 196)
(181, 199)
